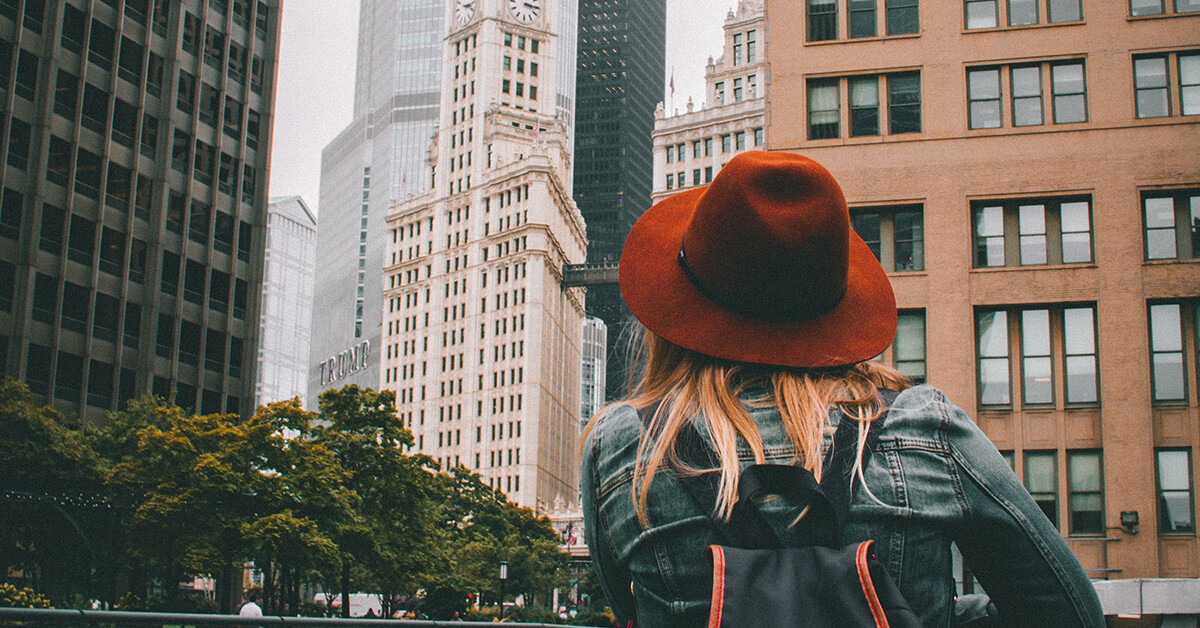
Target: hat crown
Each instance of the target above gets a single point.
(770, 238)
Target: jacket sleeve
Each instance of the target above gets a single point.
(614, 577)
(1017, 554)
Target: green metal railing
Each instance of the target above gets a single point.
(69, 618)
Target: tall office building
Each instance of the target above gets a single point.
(595, 352)
(690, 148)
(375, 162)
(137, 136)
(481, 339)
(1027, 174)
(622, 59)
(285, 328)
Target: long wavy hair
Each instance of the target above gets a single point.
(692, 388)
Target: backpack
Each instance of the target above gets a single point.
(815, 583)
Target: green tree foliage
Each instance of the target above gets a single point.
(49, 521)
(331, 497)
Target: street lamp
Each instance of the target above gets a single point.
(503, 581)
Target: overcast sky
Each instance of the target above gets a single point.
(315, 91)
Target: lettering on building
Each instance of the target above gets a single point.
(345, 364)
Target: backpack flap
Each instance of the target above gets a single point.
(810, 586)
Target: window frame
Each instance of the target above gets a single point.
(1185, 206)
(885, 249)
(1164, 525)
(1016, 356)
(1010, 234)
(1073, 492)
(1052, 456)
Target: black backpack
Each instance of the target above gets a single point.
(814, 583)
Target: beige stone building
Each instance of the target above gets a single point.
(690, 148)
(481, 340)
(1028, 173)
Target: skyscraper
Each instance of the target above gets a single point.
(481, 339)
(622, 58)
(285, 328)
(136, 136)
(375, 162)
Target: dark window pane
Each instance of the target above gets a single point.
(81, 244)
(904, 103)
(12, 208)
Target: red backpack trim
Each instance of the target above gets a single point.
(718, 588)
(864, 578)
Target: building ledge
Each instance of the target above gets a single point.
(1134, 597)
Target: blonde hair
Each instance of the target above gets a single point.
(692, 388)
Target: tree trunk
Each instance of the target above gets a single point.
(268, 592)
(295, 591)
(345, 586)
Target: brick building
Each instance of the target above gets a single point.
(1027, 173)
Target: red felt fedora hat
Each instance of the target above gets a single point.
(760, 266)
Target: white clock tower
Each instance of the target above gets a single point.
(482, 343)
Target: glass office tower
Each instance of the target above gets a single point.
(375, 162)
(621, 63)
(136, 136)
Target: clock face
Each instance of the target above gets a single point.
(463, 11)
(526, 11)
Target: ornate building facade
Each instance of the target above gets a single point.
(481, 340)
(690, 148)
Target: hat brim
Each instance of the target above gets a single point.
(662, 297)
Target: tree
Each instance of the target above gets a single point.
(51, 516)
(481, 528)
(187, 487)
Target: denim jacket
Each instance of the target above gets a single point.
(937, 479)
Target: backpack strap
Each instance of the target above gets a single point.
(829, 500)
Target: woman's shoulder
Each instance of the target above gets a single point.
(615, 426)
(924, 412)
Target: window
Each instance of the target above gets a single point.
(737, 49)
(1150, 85)
(985, 13)
(1041, 480)
(12, 204)
(1172, 224)
(1159, 7)
(894, 234)
(1085, 485)
(1026, 96)
(864, 106)
(983, 97)
(862, 18)
(902, 17)
(66, 95)
(823, 114)
(1030, 232)
(751, 47)
(18, 144)
(904, 105)
(726, 144)
(1070, 97)
(984, 94)
(1168, 367)
(739, 140)
(822, 20)
(907, 351)
(758, 136)
(1050, 341)
(670, 182)
(1176, 506)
